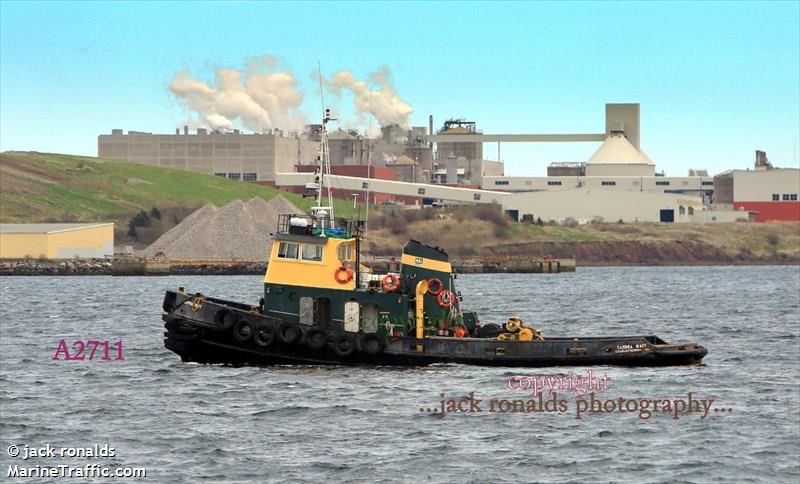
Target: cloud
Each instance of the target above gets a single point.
(265, 95)
(383, 102)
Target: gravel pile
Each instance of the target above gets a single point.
(239, 230)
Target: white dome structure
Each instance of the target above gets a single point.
(618, 157)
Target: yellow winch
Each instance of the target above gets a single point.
(515, 330)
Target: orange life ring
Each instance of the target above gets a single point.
(435, 282)
(390, 282)
(445, 299)
(343, 275)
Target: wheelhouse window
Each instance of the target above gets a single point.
(287, 250)
(608, 183)
(312, 252)
(345, 252)
(776, 196)
(556, 183)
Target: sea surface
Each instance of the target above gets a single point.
(195, 423)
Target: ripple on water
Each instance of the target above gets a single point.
(192, 422)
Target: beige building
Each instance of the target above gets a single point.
(56, 241)
(773, 185)
(588, 204)
(233, 155)
(772, 194)
(464, 158)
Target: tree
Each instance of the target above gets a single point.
(141, 219)
(155, 213)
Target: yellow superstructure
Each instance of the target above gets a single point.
(56, 241)
(311, 263)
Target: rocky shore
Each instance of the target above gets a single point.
(650, 253)
(585, 254)
(77, 267)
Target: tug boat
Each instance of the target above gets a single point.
(322, 305)
(318, 309)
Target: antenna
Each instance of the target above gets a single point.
(321, 96)
(369, 164)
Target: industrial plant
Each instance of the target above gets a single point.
(418, 166)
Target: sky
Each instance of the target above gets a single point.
(715, 80)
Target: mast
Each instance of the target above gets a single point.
(369, 164)
(319, 211)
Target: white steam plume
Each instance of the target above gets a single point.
(262, 98)
(387, 107)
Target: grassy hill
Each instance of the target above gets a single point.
(46, 187)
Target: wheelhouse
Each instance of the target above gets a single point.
(316, 277)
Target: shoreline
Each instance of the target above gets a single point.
(104, 267)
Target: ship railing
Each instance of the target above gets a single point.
(371, 279)
(301, 224)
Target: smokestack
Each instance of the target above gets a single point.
(185, 129)
(430, 129)
(762, 163)
(177, 130)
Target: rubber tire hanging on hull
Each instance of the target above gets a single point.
(225, 319)
(316, 339)
(371, 344)
(264, 334)
(289, 333)
(243, 330)
(344, 344)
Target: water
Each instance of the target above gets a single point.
(191, 423)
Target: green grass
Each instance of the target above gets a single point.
(38, 187)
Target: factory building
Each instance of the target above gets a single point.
(615, 165)
(771, 193)
(461, 162)
(596, 205)
(403, 151)
(452, 157)
(617, 182)
(238, 156)
(56, 241)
